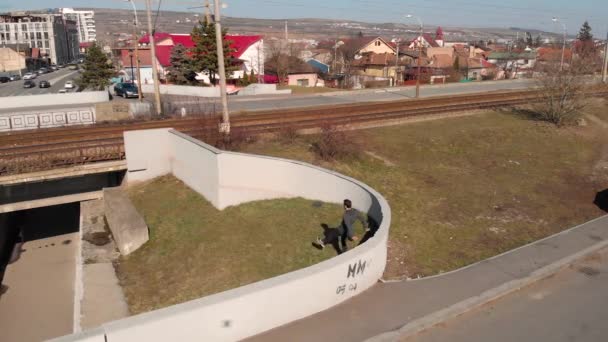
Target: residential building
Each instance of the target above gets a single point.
(247, 51)
(85, 23)
(48, 32)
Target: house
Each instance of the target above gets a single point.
(248, 52)
(129, 65)
(432, 51)
(513, 60)
(480, 69)
(426, 40)
(375, 45)
(293, 71)
(513, 64)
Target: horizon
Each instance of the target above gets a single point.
(519, 14)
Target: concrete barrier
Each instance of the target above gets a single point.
(52, 100)
(262, 89)
(225, 179)
(127, 226)
(169, 89)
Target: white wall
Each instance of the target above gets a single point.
(183, 90)
(248, 310)
(85, 97)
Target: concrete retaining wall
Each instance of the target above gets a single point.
(167, 89)
(45, 100)
(262, 89)
(225, 179)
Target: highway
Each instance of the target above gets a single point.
(57, 80)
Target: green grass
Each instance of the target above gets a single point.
(196, 250)
(464, 189)
(308, 90)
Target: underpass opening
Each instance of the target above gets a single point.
(39, 251)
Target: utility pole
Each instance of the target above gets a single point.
(396, 62)
(136, 40)
(207, 12)
(159, 110)
(225, 124)
(286, 32)
(605, 69)
(419, 63)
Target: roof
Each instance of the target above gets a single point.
(360, 42)
(163, 55)
(553, 54)
(427, 37)
(479, 63)
(239, 44)
(85, 44)
(512, 55)
(322, 67)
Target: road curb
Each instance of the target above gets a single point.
(471, 303)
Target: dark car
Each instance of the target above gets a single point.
(44, 84)
(29, 84)
(4, 79)
(126, 90)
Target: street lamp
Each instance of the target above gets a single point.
(135, 28)
(419, 52)
(556, 20)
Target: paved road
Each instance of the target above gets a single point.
(57, 79)
(570, 306)
(266, 102)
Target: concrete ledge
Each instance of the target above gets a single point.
(66, 172)
(128, 228)
(45, 202)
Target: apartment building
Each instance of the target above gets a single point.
(85, 21)
(49, 33)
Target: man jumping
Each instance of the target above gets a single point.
(345, 230)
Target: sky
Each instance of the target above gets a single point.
(533, 14)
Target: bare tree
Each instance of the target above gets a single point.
(562, 93)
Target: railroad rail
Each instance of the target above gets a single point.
(35, 150)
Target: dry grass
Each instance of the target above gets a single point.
(464, 189)
(196, 250)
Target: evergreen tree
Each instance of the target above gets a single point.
(252, 78)
(204, 51)
(584, 35)
(97, 70)
(180, 72)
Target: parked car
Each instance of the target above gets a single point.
(73, 67)
(63, 91)
(54, 68)
(69, 85)
(44, 84)
(29, 84)
(4, 79)
(42, 71)
(126, 90)
(14, 77)
(30, 76)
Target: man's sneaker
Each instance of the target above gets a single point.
(318, 244)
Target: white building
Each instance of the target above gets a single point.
(85, 21)
(52, 36)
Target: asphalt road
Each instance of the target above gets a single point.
(57, 79)
(570, 306)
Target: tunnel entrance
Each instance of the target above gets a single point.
(39, 250)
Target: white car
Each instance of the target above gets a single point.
(62, 91)
(30, 76)
(69, 85)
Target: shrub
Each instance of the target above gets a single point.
(334, 144)
(288, 134)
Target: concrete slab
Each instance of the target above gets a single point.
(103, 299)
(39, 301)
(128, 228)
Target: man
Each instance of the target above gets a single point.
(345, 231)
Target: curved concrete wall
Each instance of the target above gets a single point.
(225, 179)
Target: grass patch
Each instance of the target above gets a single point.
(196, 250)
(464, 189)
(308, 90)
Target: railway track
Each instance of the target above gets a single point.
(24, 151)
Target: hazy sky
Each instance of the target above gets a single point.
(475, 13)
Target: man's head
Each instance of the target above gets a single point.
(348, 204)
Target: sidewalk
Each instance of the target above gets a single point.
(392, 310)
